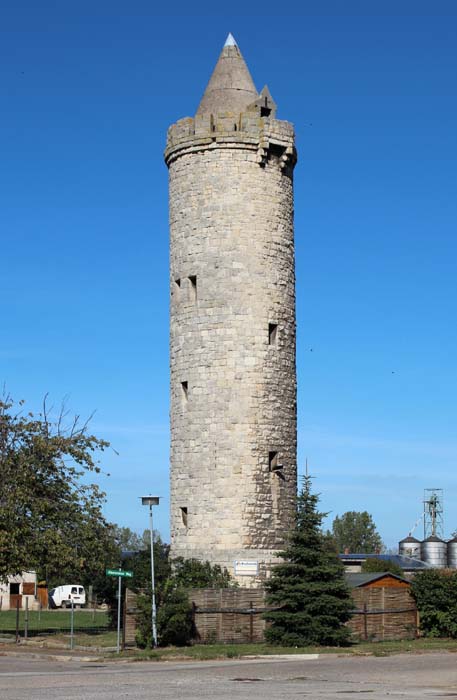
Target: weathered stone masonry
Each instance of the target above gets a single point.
(232, 334)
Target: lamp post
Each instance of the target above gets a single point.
(152, 501)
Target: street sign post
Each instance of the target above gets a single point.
(119, 572)
(120, 575)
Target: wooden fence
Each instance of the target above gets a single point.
(228, 615)
(234, 615)
(384, 613)
(130, 613)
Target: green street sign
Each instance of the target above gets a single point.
(119, 572)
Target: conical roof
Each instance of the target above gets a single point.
(410, 538)
(231, 88)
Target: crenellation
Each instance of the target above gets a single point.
(191, 135)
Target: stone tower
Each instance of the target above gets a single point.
(232, 334)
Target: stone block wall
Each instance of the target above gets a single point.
(232, 337)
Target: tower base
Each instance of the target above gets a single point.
(248, 567)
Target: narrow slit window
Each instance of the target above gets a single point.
(193, 286)
(177, 284)
(272, 333)
(184, 516)
(273, 461)
(185, 390)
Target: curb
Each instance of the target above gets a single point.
(48, 657)
(281, 657)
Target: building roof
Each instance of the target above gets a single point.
(230, 88)
(406, 563)
(359, 580)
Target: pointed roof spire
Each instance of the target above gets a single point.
(230, 88)
(230, 41)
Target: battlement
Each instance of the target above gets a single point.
(246, 130)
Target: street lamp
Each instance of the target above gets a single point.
(152, 501)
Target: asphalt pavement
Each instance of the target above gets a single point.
(327, 677)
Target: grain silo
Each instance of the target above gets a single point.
(434, 552)
(452, 553)
(410, 547)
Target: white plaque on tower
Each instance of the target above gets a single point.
(246, 568)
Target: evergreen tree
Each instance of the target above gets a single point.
(308, 587)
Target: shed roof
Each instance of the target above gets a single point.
(359, 580)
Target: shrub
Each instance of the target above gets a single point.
(174, 620)
(174, 611)
(435, 593)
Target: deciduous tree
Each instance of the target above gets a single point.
(357, 532)
(51, 515)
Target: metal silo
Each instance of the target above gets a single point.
(434, 552)
(452, 553)
(410, 547)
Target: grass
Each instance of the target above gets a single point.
(99, 641)
(202, 652)
(105, 639)
(51, 621)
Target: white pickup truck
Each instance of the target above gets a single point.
(62, 596)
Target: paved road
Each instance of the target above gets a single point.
(325, 678)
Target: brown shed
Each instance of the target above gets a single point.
(384, 607)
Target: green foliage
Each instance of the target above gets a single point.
(191, 573)
(174, 619)
(435, 593)
(308, 588)
(127, 539)
(357, 532)
(174, 611)
(51, 515)
(373, 565)
(140, 564)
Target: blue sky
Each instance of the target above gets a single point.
(88, 91)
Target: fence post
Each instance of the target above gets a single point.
(251, 622)
(26, 618)
(72, 624)
(94, 605)
(124, 619)
(365, 622)
(18, 639)
(119, 594)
